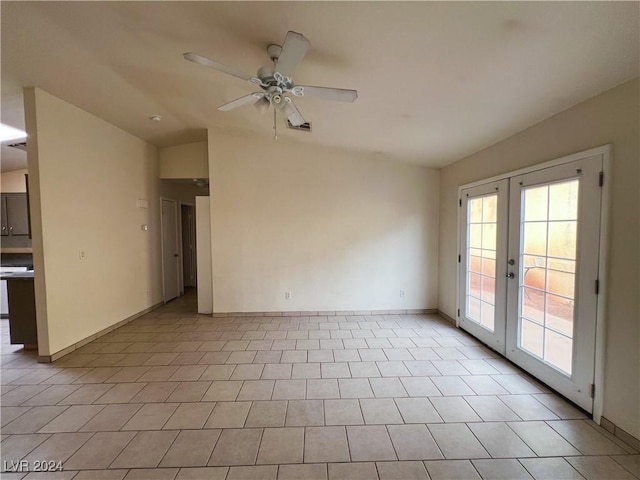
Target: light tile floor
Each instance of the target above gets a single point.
(176, 395)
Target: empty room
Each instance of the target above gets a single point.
(320, 240)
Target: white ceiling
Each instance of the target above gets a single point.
(437, 81)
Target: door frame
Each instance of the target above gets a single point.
(162, 199)
(606, 152)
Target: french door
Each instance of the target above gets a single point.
(482, 259)
(537, 303)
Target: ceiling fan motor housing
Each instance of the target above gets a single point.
(265, 74)
(274, 51)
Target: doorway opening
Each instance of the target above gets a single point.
(188, 234)
(179, 256)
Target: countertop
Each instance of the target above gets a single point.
(28, 275)
(16, 250)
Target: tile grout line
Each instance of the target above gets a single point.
(178, 331)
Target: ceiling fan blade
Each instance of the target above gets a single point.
(194, 57)
(326, 93)
(262, 105)
(238, 102)
(293, 51)
(292, 113)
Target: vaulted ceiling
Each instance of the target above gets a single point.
(437, 81)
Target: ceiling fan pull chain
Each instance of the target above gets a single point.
(275, 125)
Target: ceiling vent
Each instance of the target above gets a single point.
(20, 146)
(304, 127)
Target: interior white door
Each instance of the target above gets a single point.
(170, 255)
(554, 231)
(482, 261)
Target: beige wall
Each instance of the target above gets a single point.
(203, 243)
(13, 182)
(340, 231)
(184, 161)
(86, 177)
(611, 117)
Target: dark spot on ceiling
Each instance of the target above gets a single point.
(512, 25)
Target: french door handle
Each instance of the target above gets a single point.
(510, 275)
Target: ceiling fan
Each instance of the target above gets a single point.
(276, 81)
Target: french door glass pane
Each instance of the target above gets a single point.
(481, 260)
(547, 276)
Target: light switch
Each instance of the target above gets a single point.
(144, 228)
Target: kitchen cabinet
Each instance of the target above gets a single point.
(22, 309)
(15, 215)
(5, 223)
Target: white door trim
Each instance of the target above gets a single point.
(604, 150)
(603, 269)
(179, 246)
(601, 320)
(162, 199)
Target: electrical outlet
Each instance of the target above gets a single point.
(402, 293)
(287, 295)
